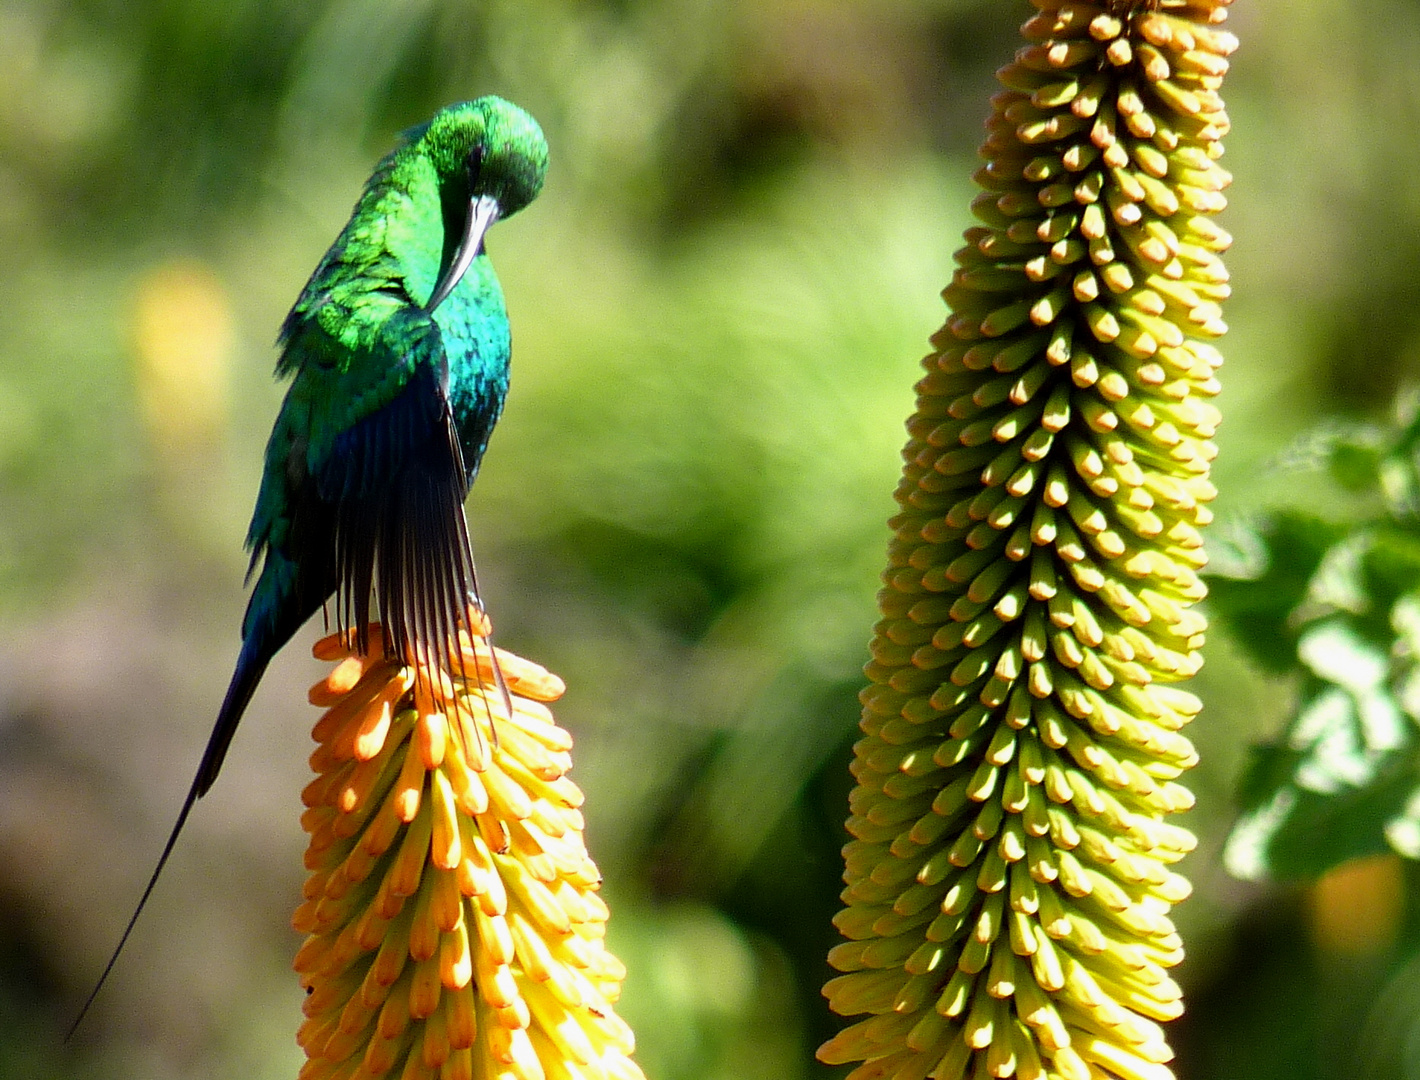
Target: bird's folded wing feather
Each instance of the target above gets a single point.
(386, 480)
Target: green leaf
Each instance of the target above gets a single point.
(1391, 565)
(1344, 771)
(1355, 466)
(1257, 605)
(1299, 833)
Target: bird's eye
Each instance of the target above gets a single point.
(475, 161)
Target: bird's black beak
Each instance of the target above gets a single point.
(482, 213)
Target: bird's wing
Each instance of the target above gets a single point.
(386, 481)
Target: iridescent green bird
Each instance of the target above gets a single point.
(397, 350)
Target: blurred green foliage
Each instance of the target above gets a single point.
(1335, 603)
(718, 306)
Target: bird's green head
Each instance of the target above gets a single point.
(491, 158)
(493, 146)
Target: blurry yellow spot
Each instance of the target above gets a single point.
(1356, 908)
(183, 341)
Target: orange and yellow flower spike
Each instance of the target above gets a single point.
(454, 927)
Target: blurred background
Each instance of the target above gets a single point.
(719, 304)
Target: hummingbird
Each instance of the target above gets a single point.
(397, 351)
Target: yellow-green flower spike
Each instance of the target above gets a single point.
(454, 929)
(1009, 882)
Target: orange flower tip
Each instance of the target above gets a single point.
(370, 738)
(303, 922)
(336, 646)
(470, 794)
(344, 643)
(341, 680)
(406, 804)
(838, 1051)
(461, 1038)
(516, 1016)
(424, 999)
(523, 676)
(431, 733)
(432, 687)
(618, 1067)
(494, 833)
(447, 857)
(322, 696)
(456, 974)
(477, 620)
(528, 679)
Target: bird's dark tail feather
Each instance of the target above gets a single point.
(251, 665)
